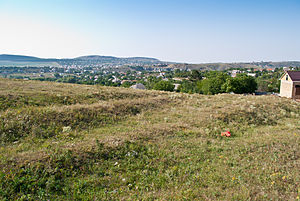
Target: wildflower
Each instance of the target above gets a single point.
(284, 177)
(274, 174)
(67, 129)
(227, 134)
(233, 178)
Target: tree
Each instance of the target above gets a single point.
(126, 84)
(195, 75)
(242, 83)
(151, 81)
(56, 75)
(214, 82)
(187, 87)
(164, 86)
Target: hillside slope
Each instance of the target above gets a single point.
(225, 66)
(77, 142)
(20, 60)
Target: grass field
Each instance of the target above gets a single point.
(77, 142)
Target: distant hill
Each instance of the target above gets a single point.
(96, 59)
(107, 58)
(224, 66)
(20, 60)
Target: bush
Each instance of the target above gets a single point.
(188, 87)
(214, 82)
(164, 86)
(242, 83)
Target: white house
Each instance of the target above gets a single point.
(290, 84)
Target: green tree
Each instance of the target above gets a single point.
(242, 83)
(187, 87)
(164, 86)
(151, 81)
(56, 75)
(195, 75)
(126, 84)
(214, 82)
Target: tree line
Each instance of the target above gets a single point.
(212, 82)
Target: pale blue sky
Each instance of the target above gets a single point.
(170, 30)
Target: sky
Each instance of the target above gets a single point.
(192, 31)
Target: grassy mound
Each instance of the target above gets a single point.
(124, 144)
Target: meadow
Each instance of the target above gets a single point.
(79, 142)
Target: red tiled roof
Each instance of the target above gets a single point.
(295, 75)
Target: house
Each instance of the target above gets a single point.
(138, 86)
(251, 74)
(290, 84)
(123, 81)
(235, 72)
(176, 86)
(115, 80)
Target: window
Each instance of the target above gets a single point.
(286, 77)
(297, 90)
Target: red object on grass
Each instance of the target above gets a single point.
(227, 134)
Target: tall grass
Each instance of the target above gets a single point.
(146, 145)
(45, 122)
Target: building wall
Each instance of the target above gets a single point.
(286, 88)
(294, 90)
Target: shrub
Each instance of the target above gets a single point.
(164, 86)
(242, 83)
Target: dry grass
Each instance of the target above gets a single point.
(166, 146)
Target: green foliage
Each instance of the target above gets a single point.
(214, 82)
(126, 84)
(195, 75)
(269, 82)
(242, 83)
(151, 82)
(188, 87)
(181, 73)
(164, 86)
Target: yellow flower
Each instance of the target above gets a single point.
(274, 174)
(233, 178)
(283, 178)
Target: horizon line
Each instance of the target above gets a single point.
(161, 60)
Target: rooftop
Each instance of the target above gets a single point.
(295, 75)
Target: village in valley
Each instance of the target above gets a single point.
(262, 77)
